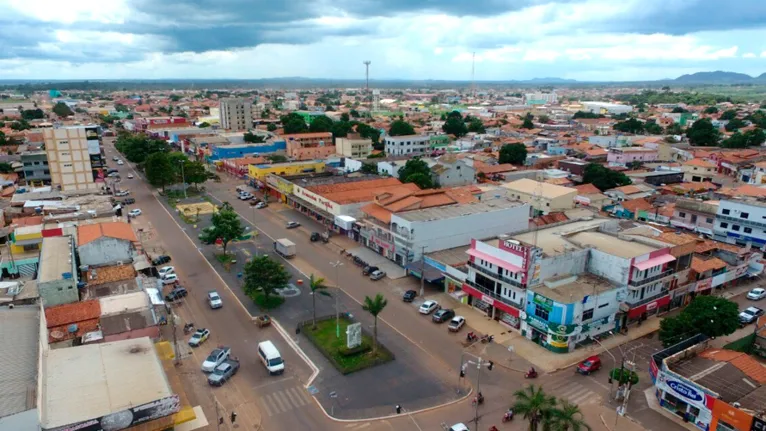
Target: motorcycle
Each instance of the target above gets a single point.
(487, 339)
(493, 428)
(188, 328)
(508, 416)
(479, 399)
(531, 374)
(471, 337)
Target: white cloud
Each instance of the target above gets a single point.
(748, 55)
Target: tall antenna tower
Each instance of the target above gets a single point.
(473, 74)
(367, 74)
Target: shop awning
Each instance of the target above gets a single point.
(655, 261)
(432, 274)
(493, 260)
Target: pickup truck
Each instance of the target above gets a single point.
(285, 248)
(223, 372)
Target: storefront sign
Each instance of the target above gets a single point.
(543, 302)
(645, 308)
(128, 418)
(320, 202)
(731, 415)
(758, 425)
(382, 244)
(685, 391)
(488, 299)
(704, 284)
(538, 323)
(514, 246)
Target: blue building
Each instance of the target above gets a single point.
(247, 150)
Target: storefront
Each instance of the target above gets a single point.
(685, 399)
(494, 308)
(729, 418)
(641, 312)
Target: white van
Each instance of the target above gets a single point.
(270, 357)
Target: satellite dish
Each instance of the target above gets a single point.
(57, 334)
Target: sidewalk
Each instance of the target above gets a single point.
(602, 418)
(654, 404)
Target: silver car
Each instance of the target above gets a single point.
(214, 299)
(377, 275)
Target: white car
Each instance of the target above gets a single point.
(167, 270)
(122, 193)
(458, 427)
(199, 337)
(214, 299)
(261, 205)
(130, 176)
(750, 315)
(215, 359)
(169, 279)
(377, 275)
(245, 196)
(134, 213)
(428, 307)
(120, 162)
(756, 294)
(456, 323)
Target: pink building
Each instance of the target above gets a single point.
(626, 155)
(309, 146)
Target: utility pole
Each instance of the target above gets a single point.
(337, 264)
(422, 270)
(183, 178)
(176, 353)
(367, 75)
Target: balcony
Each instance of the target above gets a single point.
(494, 295)
(662, 293)
(643, 281)
(742, 221)
(496, 276)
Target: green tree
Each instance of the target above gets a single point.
(674, 129)
(374, 306)
(401, 128)
(159, 170)
(728, 115)
(369, 168)
(455, 125)
(653, 128)
(368, 132)
(534, 405)
(264, 277)
(195, 173)
(567, 417)
(424, 181)
(528, 124)
(321, 124)
(271, 127)
(679, 110)
(253, 138)
(515, 154)
(544, 119)
(317, 286)
(119, 107)
(414, 170)
(32, 114)
(476, 126)
(604, 178)
(277, 158)
(5, 168)
(585, 114)
(631, 125)
(755, 137)
(713, 316)
(734, 124)
(3, 140)
(340, 129)
(226, 225)
(703, 133)
(710, 110)
(204, 125)
(293, 123)
(62, 109)
(345, 117)
(354, 113)
(21, 125)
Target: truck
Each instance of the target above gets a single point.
(285, 248)
(223, 372)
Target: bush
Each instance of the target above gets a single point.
(334, 349)
(364, 348)
(269, 303)
(623, 376)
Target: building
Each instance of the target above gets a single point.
(698, 171)
(309, 146)
(695, 215)
(353, 146)
(128, 316)
(153, 124)
(410, 145)
(57, 275)
(107, 252)
(606, 108)
(20, 332)
(69, 158)
(741, 221)
(258, 173)
(626, 155)
(68, 323)
(657, 178)
(544, 198)
(236, 114)
(222, 152)
(449, 171)
(36, 170)
(541, 98)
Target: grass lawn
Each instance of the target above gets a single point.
(332, 347)
(271, 303)
(744, 344)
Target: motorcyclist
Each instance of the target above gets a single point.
(480, 398)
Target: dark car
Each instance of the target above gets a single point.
(443, 315)
(314, 236)
(128, 201)
(159, 260)
(177, 293)
(409, 296)
(254, 202)
(369, 269)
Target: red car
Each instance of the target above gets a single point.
(589, 365)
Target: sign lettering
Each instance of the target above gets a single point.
(685, 391)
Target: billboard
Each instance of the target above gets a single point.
(129, 417)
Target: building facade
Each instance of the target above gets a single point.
(36, 170)
(625, 155)
(69, 158)
(741, 221)
(353, 146)
(309, 146)
(544, 198)
(410, 145)
(236, 114)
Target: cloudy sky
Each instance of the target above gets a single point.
(409, 39)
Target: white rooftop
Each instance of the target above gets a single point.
(116, 304)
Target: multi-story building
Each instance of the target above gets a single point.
(69, 159)
(309, 146)
(698, 171)
(625, 155)
(409, 145)
(236, 114)
(606, 108)
(741, 221)
(57, 276)
(544, 198)
(695, 215)
(541, 98)
(353, 146)
(449, 171)
(36, 170)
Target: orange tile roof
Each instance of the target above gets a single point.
(91, 232)
(365, 194)
(628, 190)
(634, 205)
(587, 189)
(744, 362)
(677, 238)
(700, 265)
(699, 163)
(72, 313)
(376, 211)
(493, 169)
(744, 190)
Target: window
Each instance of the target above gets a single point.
(724, 225)
(541, 312)
(587, 315)
(682, 215)
(603, 305)
(743, 215)
(748, 230)
(735, 227)
(725, 211)
(709, 220)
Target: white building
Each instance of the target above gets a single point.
(409, 145)
(541, 98)
(606, 108)
(236, 114)
(69, 157)
(741, 221)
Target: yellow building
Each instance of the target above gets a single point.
(27, 239)
(259, 172)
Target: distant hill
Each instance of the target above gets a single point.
(717, 77)
(549, 81)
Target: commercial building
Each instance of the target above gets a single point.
(36, 170)
(258, 173)
(541, 98)
(411, 145)
(69, 159)
(57, 275)
(741, 221)
(625, 155)
(222, 152)
(236, 114)
(544, 198)
(309, 146)
(698, 171)
(156, 124)
(20, 374)
(695, 215)
(353, 146)
(107, 252)
(606, 108)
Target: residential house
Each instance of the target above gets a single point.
(67, 323)
(695, 215)
(590, 195)
(57, 275)
(107, 252)
(697, 171)
(626, 155)
(128, 316)
(542, 197)
(449, 171)
(632, 209)
(633, 191)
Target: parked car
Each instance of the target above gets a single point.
(128, 201)
(169, 279)
(456, 323)
(130, 176)
(115, 158)
(756, 294)
(216, 358)
(750, 315)
(245, 196)
(428, 307)
(122, 193)
(442, 315)
(369, 269)
(292, 225)
(199, 337)
(377, 275)
(113, 174)
(161, 259)
(166, 270)
(214, 299)
(409, 296)
(316, 237)
(255, 201)
(589, 365)
(223, 372)
(177, 293)
(134, 213)
(261, 205)
(120, 162)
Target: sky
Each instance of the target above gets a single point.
(588, 40)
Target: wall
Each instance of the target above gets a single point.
(457, 174)
(311, 153)
(58, 292)
(152, 332)
(105, 250)
(613, 268)
(316, 200)
(569, 263)
(261, 171)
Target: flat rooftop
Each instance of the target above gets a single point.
(55, 258)
(721, 377)
(567, 289)
(459, 210)
(20, 332)
(611, 244)
(545, 190)
(553, 241)
(91, 381)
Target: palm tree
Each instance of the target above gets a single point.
(567, 417)
(374, 306)
(316, 285)
(534, 404)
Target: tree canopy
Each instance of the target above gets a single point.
(710, 110)
(751, 138)
(604, 178)
(416, 171)
(515, 154)
(271, 127)
(401, 128)
(321, 124)
(455, 125)
(159, 170)
(728, 115)
(631, 125)
(62, 109)
(586, 115)
(32, 114)
(137, 148)
(264, 277)
(293, 123)
(734, 124)
(253, 138)
(713, 316)
(702, 133)
(651, 97)
(226, 225)
(652, 127)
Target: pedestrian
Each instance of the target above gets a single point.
(398, 409)
(233, 416)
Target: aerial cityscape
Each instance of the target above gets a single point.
(368, 216)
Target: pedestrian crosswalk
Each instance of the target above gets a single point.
(573, 392)
(285, 400)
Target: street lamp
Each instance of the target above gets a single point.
(337, 264)
(614, 362)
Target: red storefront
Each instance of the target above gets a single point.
(649, 308)
(494, 308)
